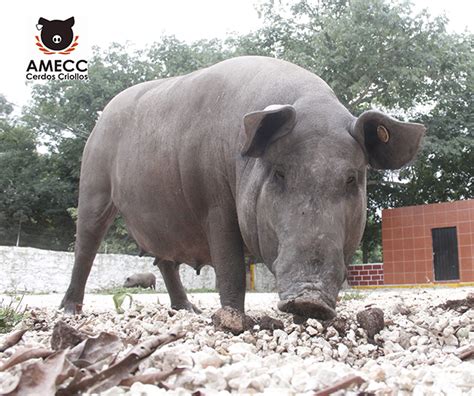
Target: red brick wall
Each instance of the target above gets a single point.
(407, 241)
(365, 274)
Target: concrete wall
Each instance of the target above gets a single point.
(45, 271)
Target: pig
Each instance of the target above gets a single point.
(252, 154)
(56, 35)
(142, 279)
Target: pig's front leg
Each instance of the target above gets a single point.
(227, 256)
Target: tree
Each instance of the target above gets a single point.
(32, 196)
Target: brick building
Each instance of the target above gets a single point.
(365, 274)
(429, 243)
(422, 244)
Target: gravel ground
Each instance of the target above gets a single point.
(416, 353)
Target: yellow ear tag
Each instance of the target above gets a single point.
(383, 134)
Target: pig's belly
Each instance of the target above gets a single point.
(169, 232)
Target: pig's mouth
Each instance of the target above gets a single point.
(309, 305)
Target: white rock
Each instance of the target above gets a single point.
(448, 331)
(451, 361)
(331, 332)
(261, 382)
(280, 335)
(138, 389)
(240, 383)
(208, 357)
(441, 324)
(299, 381)
(316, 324)
(241, 348)
(351, 337)
(451, 340)
(311, 331)
(152, 328)
(327, 352)
(463, 332)
(342, 351)
(283, 376)
(365, 349)
(405, 383)
(423, 340)
(272, 345)
(293, 338)
(303, 351)
(214, 379)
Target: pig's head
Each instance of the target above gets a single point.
(56, 35)
(302, 194)
(130, 281)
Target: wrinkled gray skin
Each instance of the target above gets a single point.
(251, 153)
(143, 279)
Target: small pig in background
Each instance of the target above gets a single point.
(145, 280)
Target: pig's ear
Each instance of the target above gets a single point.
(264, 127)
(388, 143)
(69, 22)
(41, 22)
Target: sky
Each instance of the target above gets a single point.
(100, 22)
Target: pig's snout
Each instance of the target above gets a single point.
(312, 304)
(128, 283)
(57, 39)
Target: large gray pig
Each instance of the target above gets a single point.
(253, 154)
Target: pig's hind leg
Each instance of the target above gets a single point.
(170, 273)
(96, 213)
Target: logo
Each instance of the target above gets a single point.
(56, 36)
(55, 40)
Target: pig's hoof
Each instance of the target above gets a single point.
(307, 307)
(268, 323)
(188, 306)
(233, 320)
(196, 309)
(71, 308)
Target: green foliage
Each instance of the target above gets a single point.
(119, 299)
(201, 290)
(352, 295)
(119, 290)
(33, 196)
(11, 314)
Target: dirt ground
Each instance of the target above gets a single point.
(404, 341)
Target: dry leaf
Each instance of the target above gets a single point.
(152, 378)
(24, 355)
(466, 353)
(93, 350)
(65, 336)
(12, 339)
(39, 379)
(341, 384)
(115, 374)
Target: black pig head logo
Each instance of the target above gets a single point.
(56, 35)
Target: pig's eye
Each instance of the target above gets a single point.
(278, 174)
(350, 180)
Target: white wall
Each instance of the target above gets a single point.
(46, 271)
